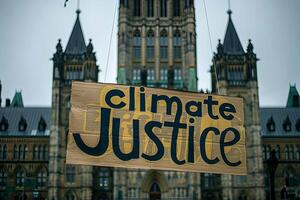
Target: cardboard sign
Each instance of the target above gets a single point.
(151, 128)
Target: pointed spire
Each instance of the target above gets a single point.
(76, 44)
(17, 100)
(293, 98)
(232, 44)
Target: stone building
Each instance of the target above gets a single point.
(157, 48)
(76, 62)
(236, 71)
(24, 144)
(280, 128)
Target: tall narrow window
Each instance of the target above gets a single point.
(35, 152)
(4, 152)
(25, 156)
(21, 152)
(39, 152)
(150, 45)
(150, 77)
(287, 153)
(3, 178)
(15, 152)
(103, 177)
(164, 77)
(176, 8)
(136, 76)
(20, 178)
(163, 8)
(292, 154)
(278, 152)
(137, 45)
(163, 45)
(177, 45)
(137, 8)
(41, 178)
(45, 152)
(150, 8)
(177, 74)
(70, 173)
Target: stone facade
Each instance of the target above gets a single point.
(76, 63)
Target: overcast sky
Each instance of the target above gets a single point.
(29, 30)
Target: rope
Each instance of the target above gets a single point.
(111, 35)
(211, 47)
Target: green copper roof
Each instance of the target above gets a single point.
(17, 100)
(293, 98)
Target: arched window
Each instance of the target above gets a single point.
(40, 152)
(155, 192)
(150, 8)
(177, 45)
(278, 152)
(150, 45)
(137, 45)
(3, 178)
(268, 151)
(35, 152)
(70, 173)
(176, 8)
(25, 156)
(137, 8)
(289, 178)
(292, 153)
(69, 196)
(287, 152)
(15, 152)
(163, 8)
(21, 152)
(45, 152)
(4, 153)
(41, 178)
(298, 152)
(163, 44)
(20, 178)
(104, 177)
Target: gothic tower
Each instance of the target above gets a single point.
(158, 37)
(157, 48)
(236, 71)
(77, 62)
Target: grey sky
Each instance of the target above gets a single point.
(29, 30)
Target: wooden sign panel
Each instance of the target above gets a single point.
(150, 128)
